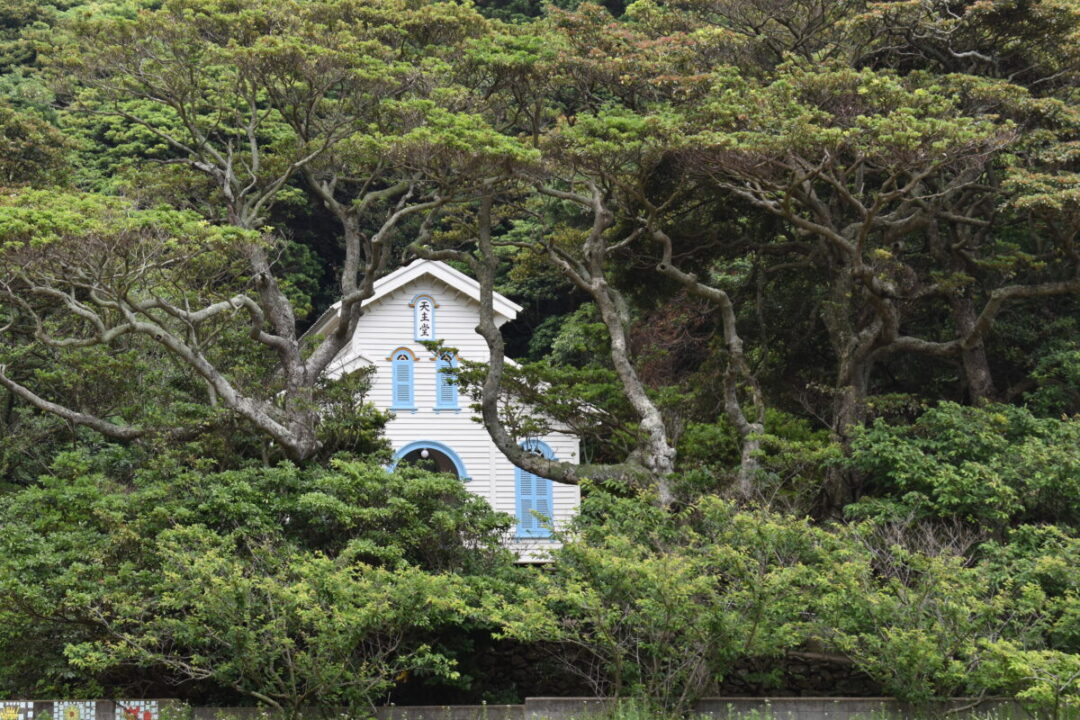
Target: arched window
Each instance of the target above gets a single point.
(446, 390)
(533, 494)
(433, 456)
(401, 379)
(423, 317)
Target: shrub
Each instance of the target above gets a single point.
(659, 605)
(290, 585)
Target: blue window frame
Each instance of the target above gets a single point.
(533, 494)
(402, 362)
(446, 389)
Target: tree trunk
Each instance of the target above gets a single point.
(849, 411)
(977, 374)
(749, 431)
(738, 368)
(659, 454)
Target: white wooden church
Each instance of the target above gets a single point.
(425, 301)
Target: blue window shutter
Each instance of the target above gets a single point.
(402, 382)
(446, 392)
(533, 493)
(543, 504)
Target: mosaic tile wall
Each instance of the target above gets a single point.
(16, 710)
(75, 710)
(137, 710)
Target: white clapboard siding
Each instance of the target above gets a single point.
(386, 326)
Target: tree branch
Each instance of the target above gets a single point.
(106, 428)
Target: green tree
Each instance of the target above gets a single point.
(292, 587)
(33, 151)
(248, 99)
(660, 606)
(929, 612)
(290, 628)
(992, 467)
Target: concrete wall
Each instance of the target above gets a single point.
(800, 708)
(539, 708)
(145, 709)
(451, 712)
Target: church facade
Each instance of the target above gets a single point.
(433, 423)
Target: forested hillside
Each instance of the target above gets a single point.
(803, 276)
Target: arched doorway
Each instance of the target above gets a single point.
(433, 456)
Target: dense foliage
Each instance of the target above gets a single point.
(802, 276)
(665, 606)
(294, 587)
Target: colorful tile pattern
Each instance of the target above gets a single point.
(137, 710)
(75, 710)
(15, 710)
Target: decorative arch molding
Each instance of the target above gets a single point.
(535, 445)
(412, 303)
(401, 351)
(459, 466)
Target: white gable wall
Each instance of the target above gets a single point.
(387, 325)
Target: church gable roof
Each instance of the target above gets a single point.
(416, 270)
(455, 279)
